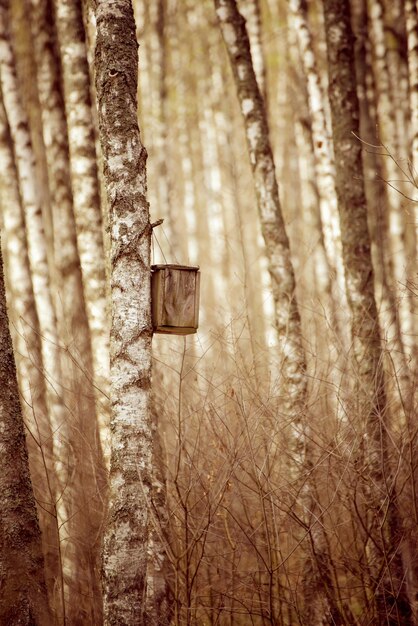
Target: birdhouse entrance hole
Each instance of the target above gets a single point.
(175, 299)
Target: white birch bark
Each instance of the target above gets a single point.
(35, 229)
(87, 480)
(411, 16)
(388, 137)
(310, 192)
(162, 145)
(394, 19)
(126, 535)
(85, 189)
(251, 10)
(70, 299)
(322, 145)
(377, 202)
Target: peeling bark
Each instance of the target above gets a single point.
(124, 157)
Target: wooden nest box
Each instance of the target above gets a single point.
(175, 299)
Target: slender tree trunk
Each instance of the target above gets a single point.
(85, 191)
(87, 478)
(71, 300)
(23, 598)
(273, 230)
(411, 15)
(377, 202)
(388, 136)
(386, 567)
(126, 535)
(241, 238)
(161, 144)
(251, 10)
(210, 234)
(397, 64)
(158, 602)
(324, 278)
(193, 185)
(31, 200)
(409, 497)
(322, 145)
(320, 605)
(27, 343)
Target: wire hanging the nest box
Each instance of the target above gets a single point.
(175, 292)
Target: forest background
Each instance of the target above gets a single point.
(267, 472)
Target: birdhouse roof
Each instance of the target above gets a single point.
(173, 266)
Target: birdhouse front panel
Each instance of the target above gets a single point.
(175, 299)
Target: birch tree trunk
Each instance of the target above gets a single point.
(392, 605)
(24, 158)
(71, 299)
(189, 142)
(322, 145)
(154, 18)
(388, 136)
(87, 477)
(411, 17)
(377, 202)
(72, 439)
(397, 64)
(320, 605)
(27, 343)
(126, 535)
(310, 194)
(273, 230)
(251, 11)
(411, 525)
(85, 190)
(23, 598)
